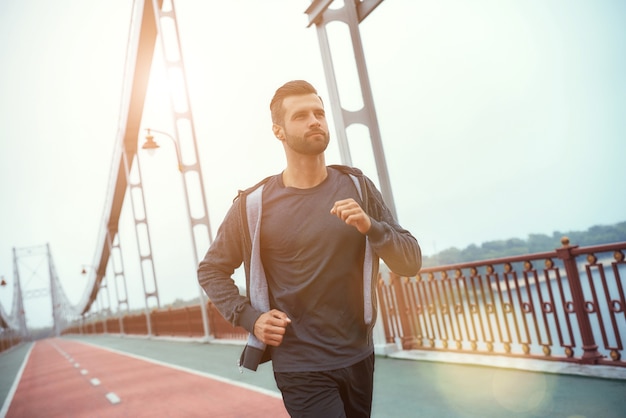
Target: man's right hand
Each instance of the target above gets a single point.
(270, 327)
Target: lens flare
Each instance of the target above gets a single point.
(521, 391)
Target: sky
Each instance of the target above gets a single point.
(499, 119)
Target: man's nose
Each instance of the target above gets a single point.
(314, 121)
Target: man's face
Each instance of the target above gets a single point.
(305, 129)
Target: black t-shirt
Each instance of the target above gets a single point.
(314, 267)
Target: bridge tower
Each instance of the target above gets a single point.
(62, 310)
(351, 14)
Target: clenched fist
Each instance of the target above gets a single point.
(270, 327)
(349, 211)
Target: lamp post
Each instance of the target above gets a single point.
(103, 285)
(150, 145)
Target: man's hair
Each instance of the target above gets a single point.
(291, 88)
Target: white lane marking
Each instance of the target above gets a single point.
(113, 398)
(18, 377)
(264, 391)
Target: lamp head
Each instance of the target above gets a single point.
(150, 145)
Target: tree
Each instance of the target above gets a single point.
(536, 243)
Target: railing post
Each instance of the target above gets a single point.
(590, 348)
(385, 317)
(189, 327)
(211, 318)
(121, 322)
(407, 337)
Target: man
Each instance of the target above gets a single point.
(310, 239)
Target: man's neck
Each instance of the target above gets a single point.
(305, 174)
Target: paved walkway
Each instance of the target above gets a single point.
(68, 378)
(182, 377)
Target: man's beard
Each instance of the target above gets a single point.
(307, 145)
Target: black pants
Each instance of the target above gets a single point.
(341, 393)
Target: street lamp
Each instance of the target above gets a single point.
(150, 145)
(85, 267)
(103, 285)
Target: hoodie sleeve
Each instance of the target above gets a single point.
(396, 246)
(215, 272)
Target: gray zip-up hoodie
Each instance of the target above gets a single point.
(237, 241)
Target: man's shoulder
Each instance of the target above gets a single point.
(345, 169)
(249, 190)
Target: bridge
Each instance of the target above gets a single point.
(559, 314)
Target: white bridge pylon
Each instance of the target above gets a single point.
(35, 277)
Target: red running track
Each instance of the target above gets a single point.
(69, 379)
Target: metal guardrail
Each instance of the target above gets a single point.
(177, 322)
(565, 305)
(9, 338)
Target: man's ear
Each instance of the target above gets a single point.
(278, 132)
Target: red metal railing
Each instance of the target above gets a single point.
(8, 339)
(177, 322)
(565, 305)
